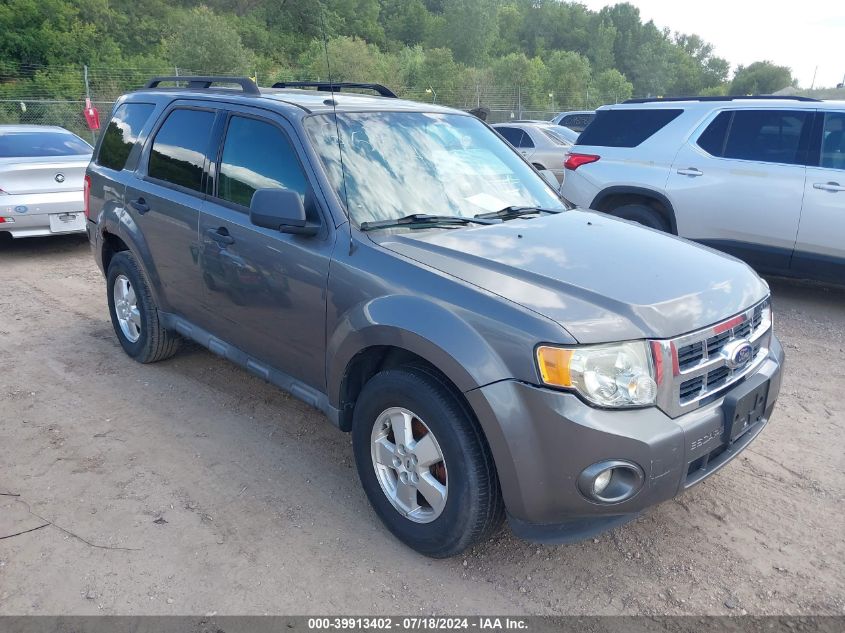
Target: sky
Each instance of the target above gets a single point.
(800, 35)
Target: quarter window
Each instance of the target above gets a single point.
(122, 133)
(257, 155)
(833, 141)
(626, 127)
(772, 136)
(712, 140)
(179, 148)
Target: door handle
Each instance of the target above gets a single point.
(828, 186)
(220, 235)
(690, 171)
(140, 205)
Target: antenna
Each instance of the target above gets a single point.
(332, 88)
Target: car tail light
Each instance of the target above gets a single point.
(86, 194)
(574, 161)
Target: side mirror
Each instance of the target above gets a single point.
(550, 178)
(280, 210)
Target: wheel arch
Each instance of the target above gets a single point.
(118, 232)
(614, 197)
(406, 330)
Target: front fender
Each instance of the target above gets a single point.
(417, 325)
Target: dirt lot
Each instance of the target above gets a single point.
(192, 487)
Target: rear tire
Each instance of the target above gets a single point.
(467, 506)
(642, 214)
(134, 314)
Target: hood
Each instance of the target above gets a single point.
(600, 278)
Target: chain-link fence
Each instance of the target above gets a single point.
(55, 95)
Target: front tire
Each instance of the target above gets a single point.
(424, 463)
(134, 314)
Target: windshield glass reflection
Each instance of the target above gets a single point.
(399, 163)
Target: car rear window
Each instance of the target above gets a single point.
(626, 128)
(122, 133)
(46, 143)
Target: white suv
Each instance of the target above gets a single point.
(760, 178)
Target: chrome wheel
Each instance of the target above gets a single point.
(409, 465)
(126, 308)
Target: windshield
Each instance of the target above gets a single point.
(47, 143)
(400, 163)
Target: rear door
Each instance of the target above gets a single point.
(737, 183)
(265, 289)
(164, 201)
(820, 247)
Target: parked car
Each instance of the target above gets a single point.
(576, 120)
(491, 351)
(41, 179)
(760, 178)
(543, 144)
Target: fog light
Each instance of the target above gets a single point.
(601, 482)
(611, 481)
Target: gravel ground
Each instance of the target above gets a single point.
(190, 486)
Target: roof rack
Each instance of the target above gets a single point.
(328, 86)
(205, 83)
(729, 98)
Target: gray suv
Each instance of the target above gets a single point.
(401, 268)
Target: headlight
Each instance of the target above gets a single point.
(617, 375)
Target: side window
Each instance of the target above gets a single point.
(121, 134)
(772, 136)
(526, 140)
(712, 140)
(257, 155)
(512, 135)
(179, 148)
(833, 141)
(626, 127)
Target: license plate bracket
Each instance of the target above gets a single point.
(67, 222)
(745, 406)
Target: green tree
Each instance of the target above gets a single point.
(761, 78)
(568, 78)
(201, 40)
(468, 28)
(609, 86)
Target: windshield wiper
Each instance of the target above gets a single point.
(424, 219)
(509, 213)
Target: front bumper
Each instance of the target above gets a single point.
(29, 215)
(543, 439)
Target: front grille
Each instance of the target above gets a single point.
(701, 369)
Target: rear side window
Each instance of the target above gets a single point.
(833, 141)
(712, 140)
(771, 136)
(46, 143)
(513, 135)
(122, 133)
(577, 122)
(625, 128)
(257, 155)
(179, 148)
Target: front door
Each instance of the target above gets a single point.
(266, 290)
(820, 248)
(737, 185)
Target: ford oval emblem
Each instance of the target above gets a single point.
(21, 209)
(60, 177)
(737, 353)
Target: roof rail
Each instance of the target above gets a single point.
(204, 83)
(728, 98)
(327, 86)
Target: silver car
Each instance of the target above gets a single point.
(544, 144)
(42, 171)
